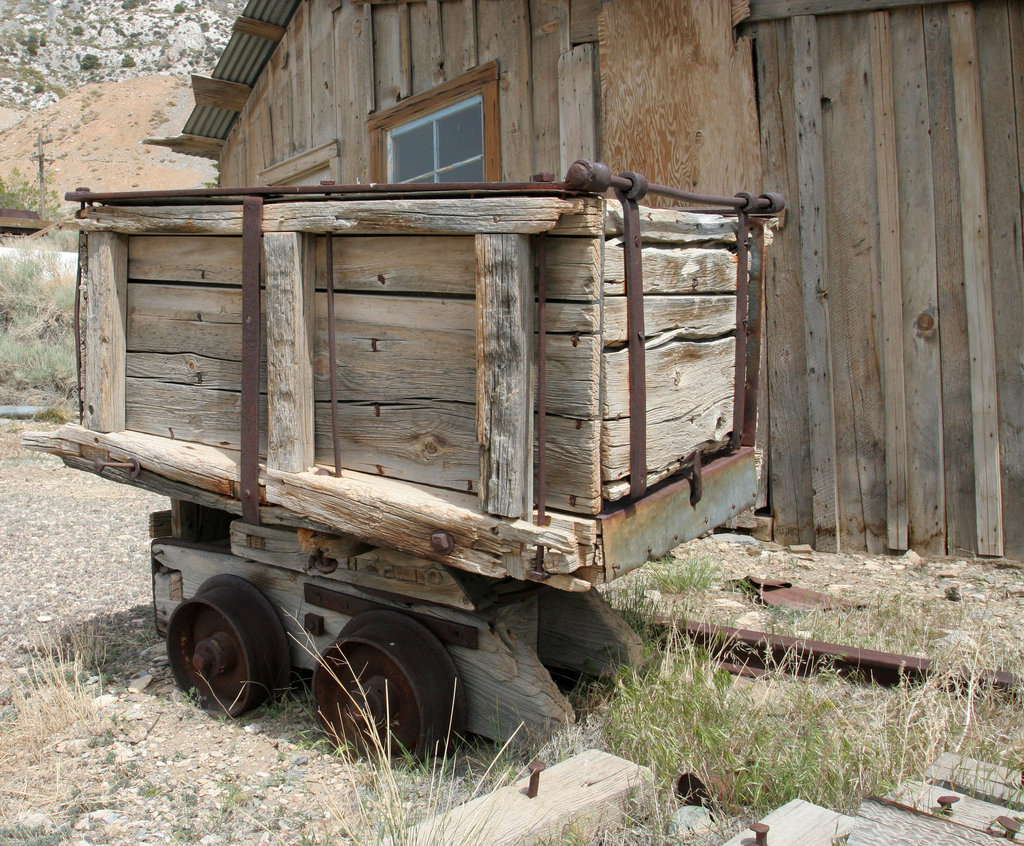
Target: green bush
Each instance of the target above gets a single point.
(90, 61)
(128, 61)
(19, 192)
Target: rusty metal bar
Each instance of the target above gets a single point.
(739, 394)
(542, 381)
(332, 356)
(632, 247)
(252, 247)
(339, 192)
(756, 652)
(587, 176)
(82, 243)
(754, 330)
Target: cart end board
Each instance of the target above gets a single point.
(430, 396)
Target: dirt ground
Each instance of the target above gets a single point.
(127, 759)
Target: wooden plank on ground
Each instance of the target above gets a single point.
(887, 185)
(106, 287)
(926, 503)
(800, 823)
(811, 211)
(977, 278)
(988, 782)
(588, 791)
(954, 358)
(288, 264)
(967, 811)
(883, 823)
(504, 385)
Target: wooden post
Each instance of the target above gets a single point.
(289, 262)
(504, 306)
(811, 211)
(977, 278)
(105, 331)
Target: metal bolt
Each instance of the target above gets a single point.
(132, 465)
(760, 833)
(442, 543)
(1010, 827)
(946, 805)
(535, 768)
(543, 176)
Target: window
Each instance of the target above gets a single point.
(448, 134)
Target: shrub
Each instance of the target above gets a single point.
(128, 61)
(90, 61)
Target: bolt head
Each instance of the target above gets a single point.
(442, 543)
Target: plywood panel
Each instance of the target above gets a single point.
(689, 137)
(853, 286)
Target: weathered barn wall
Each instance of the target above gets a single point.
(895, 299)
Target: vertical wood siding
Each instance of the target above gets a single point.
(915, 230)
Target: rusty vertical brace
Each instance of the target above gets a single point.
(82, 247)
(754, 341)
(739, 402)
(252, 248)
(542, 391)
(332, 355)
(636, 336)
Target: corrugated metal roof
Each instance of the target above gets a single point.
(242, 61)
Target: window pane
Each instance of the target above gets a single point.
(412, 152)
(460, 135)
(468, 172)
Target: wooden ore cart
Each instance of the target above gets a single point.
(405, 434)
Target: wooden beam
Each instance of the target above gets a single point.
(259, 29)
(811, 214)
(769, 10)
(799, 823)
(504, 389)
(977, 278)
(106, 286)
(578, 97)
(887, 182)
(219, 93)
(190, 145)
(289, 263)
(883, 823)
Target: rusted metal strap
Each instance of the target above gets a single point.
(739, 394)
(82, 246)
(632, 247)
(332, 356)
(541, 490)
(252, 249)
(754, 333)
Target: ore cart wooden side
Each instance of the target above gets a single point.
(395, 429)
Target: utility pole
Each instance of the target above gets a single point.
(40, 156)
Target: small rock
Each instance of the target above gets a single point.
(140, 684)
(730, 604)
(32, 820)
(210, 840)
(801, 549)
(253, 728)
(954, 638)
(953, 594)
(689, 818)
(105, 700)
(742, 540)
(44, 618)
(980, 614)
(105, 816)
(299, 760)
(750, 620)
(912, 559)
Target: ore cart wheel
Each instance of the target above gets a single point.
(227, 645)
(388, 685)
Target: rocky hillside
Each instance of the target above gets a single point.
(49, 48)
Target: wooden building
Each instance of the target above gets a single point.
(893, 386)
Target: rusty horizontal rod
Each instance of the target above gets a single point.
(754, 652)
(341, 192)
(595, 177)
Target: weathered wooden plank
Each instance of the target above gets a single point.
(578, 97)
(984, 781)
(300, 74)
(258, 28)
(272, 545)
(288, 264)
(977, 278)
(954, 358)
(882, 823)
(588, 792)
(105, 284)
(183, 258)
(485, 215)
(685, 317)
(458, 29)
(889, 241)
(921, 355)
(583, 27)
(306, 168)
(581, 632)
(692, 270)
(504, 384)
(1001, 68)
(427, 45)
(968, 811)
(549, 40)
(667, 226)
(388, 50)
(353, 51)
(323, 75)
(219, 93)
(766, 10)
(278, 72)
(799, 823)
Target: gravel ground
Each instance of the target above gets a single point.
(119, 756)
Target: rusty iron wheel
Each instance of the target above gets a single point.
(387, 685)
(227, 646)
